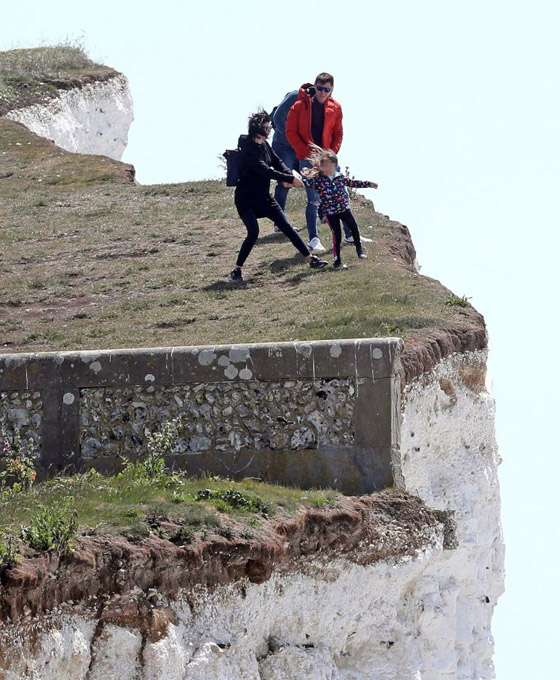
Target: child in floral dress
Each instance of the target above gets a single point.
(335, 203)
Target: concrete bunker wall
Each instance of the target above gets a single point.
(320, 413)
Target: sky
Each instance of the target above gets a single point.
(454, 109)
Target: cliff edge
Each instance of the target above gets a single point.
(400, 584)
(60, 94)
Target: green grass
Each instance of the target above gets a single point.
(30, 76)
(455, 301)
(79, 257)
(173, 506)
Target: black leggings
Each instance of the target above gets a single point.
(277, 215)
(334, 223)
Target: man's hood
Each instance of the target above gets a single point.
(303, 94)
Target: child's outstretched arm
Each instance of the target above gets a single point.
(359, 184)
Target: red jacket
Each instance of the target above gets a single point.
(298, 124)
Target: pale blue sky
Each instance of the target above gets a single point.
(454, 109)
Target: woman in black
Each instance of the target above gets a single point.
(258, 165)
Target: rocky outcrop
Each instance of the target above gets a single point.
(88, 116)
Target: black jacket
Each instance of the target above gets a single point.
(258, 164)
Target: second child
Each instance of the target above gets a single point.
(335, 203)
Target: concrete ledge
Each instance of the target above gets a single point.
(368, 369)
(164, 365)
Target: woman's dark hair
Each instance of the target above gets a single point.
(259, 124)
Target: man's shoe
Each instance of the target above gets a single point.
(236, 276)
(316, 245)
(337, 264)
(316, 263)
(362, 254)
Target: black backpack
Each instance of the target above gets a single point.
(232, 166)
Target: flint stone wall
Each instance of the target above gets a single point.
(22, 411)
(309, 414)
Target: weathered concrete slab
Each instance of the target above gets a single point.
(307, 413)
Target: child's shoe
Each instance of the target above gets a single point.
(349, 240)
(362, 253)
(316, 263)
(337, 264)
(236, 276)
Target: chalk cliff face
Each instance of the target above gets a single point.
(92, 119)
(448, 457)
(380, 596)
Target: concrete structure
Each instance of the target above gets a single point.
(307, 413)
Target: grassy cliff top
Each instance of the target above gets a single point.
(91, 260)
(31, 76)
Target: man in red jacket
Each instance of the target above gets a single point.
(315, 118)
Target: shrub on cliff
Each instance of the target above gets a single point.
(52, 528)
(18, 460)
(9, 549)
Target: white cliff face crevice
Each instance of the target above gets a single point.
(425, 617)
(92, 119)
(337, 620)
(449, 459)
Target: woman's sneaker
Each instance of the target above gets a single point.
(316, 263)
(362, 254)
(236, 275)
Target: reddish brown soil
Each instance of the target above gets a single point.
(362, 530)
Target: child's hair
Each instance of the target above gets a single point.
(258, 123)
(317, 156)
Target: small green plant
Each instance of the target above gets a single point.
(454, 301)
(230, 499)
(51, 528)
(321, 502)
(9, 549)
(159, 445)
(19, 457)
(184, 534)
(391, 330)
(160, 532)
